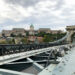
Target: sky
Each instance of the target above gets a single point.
(54, 14)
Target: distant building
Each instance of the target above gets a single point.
(19, 31)
(40, 39)
(31, 31)
(6, 33)
(46, 30)
(31, 27)
(31, 39)
(72, 27)
(35, 32)
(56, 31)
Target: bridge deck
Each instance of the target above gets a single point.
(7, 59)
(13, 57)
(65, 67)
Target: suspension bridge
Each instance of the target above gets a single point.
(53, 55)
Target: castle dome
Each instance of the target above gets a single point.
(31, 26)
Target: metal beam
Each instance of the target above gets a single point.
(13, 57)
(39, 61)
(10, 72)
(36, 65)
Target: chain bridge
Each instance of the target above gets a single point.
(51, 55)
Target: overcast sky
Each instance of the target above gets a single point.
(54, 14)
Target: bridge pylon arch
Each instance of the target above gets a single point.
(71, 30)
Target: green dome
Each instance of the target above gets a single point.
(31, 25)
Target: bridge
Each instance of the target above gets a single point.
(51, 55)
(71, 36)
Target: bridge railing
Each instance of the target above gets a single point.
(11, 49)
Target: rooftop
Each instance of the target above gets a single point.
(31, 25)
(44, 28)
(18, 29)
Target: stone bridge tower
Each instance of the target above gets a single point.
(71, 30)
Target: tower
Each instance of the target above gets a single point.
(31, 27)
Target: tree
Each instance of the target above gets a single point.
(3, 34)
(3, 42)
(41, 34)
(12, 35)
(27, 33)
(19, 35)
(24, 40)
(11, 41)
(47, 38)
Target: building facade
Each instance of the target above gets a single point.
(6, 33)
(19, 31)
(45, 30)
(31, 31)
(56, 31)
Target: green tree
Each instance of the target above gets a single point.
(3, 42)
(13, 35)
(3, 34)
(24, 40)
(27, 33)
(11, 41)
(41, 34)
(19, 35)
(47, 38)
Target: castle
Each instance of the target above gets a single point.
(31, 31)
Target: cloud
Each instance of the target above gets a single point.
(10, 27)
(17, 11)
(24, 3)
(14, 13)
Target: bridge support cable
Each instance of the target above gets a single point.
(61, 40)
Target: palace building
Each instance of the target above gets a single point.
(31, 31)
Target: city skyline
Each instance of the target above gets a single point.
(54, 14)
